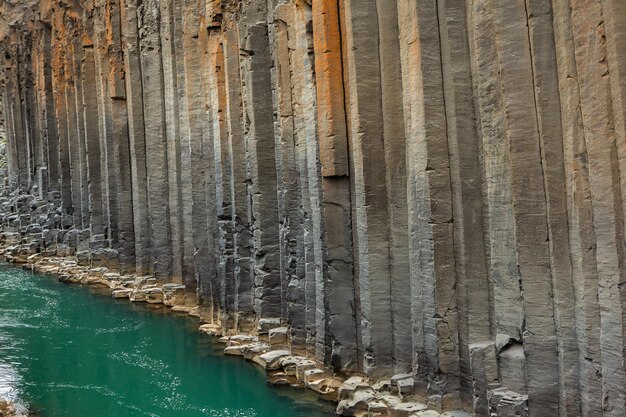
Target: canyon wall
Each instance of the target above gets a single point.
(421, 187)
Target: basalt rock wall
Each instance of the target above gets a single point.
(432, 188)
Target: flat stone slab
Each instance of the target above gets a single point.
(271, 360)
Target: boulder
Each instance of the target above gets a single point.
(350, 386)
(377, 408)
(281, 378)
(327, 387)
(211, 329)
(173, 294)
(121, 293)
(83, 257)
(181, 309)
(266, 324)
(357, 404)
(278, 336)
(138, 296)
(271, 360)
(407, 409)
(154, 295)
(254, 349)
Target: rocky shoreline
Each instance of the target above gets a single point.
(269, 347)
(46, 248)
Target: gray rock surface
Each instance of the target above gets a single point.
(430, 195)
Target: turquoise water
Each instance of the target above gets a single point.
(68, 352)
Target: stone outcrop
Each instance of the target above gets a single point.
(427, 194)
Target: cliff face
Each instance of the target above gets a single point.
(425, 187)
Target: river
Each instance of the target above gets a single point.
(66, 351)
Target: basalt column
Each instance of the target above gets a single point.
(130, 19)
(243, 278)
(304, 105)
(590, 53)
(255, 64)
(13, 115)
(114, 132)
(92, 140)
(41, 72)
(51, 156)
(543, 56)
(529, 206)
(463, 149)
(292, 240)
(431, 251)
(364, 109)
(579, 204)
(173, 140)
(299, 179)
(214, 77)
(338, 281)
(74, 127)
(427, 195)
(223, 178)
(180, 17)
(202, 162)
(59, 85)
(155, 139)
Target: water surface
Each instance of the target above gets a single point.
(68, 352)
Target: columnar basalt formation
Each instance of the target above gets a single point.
(428, 191)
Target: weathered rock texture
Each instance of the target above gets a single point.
(432, 189)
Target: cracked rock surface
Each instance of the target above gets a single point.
(414, 208)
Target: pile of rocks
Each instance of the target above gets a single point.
(356, 396)
(35, 225)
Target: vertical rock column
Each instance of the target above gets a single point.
(130, 20)
(18, 158)
(216, 74)
(38, 62)
(80, 189)
(304, 104)
(548, 108)
(155, 140)
(338, 284)
(580, 218)
(27, 102)
(465, 174)
(115, 132)
(24, 91)
(291, 215)
(59, 85)
(92, 140)
(202, 161)
(52, 139)
(529, 204)
(179, 15)
(172, 133)
(19, 118)
(396, 184)
(74, 128)
(588, 27)
(431, 249)
(261, 164)
(499, 234)
(236, 147)
(217, 133)
(371, 210)
(614, 13)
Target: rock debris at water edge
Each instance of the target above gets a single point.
(411, 207)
